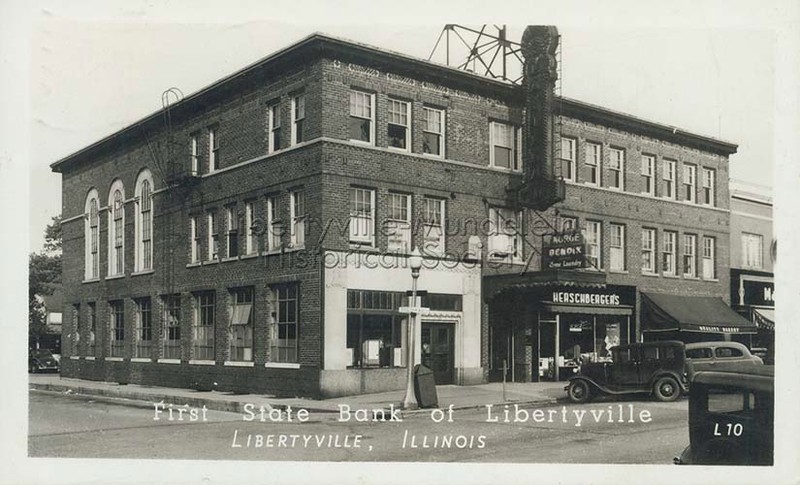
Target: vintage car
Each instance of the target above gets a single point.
(42, 360)
(657, 368)
(731, 417)
(715, 355)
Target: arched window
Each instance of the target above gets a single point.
(144, 222)
(116, 229)
(92, 236)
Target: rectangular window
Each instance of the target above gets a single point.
(648, 171)
(503, 141)
(669, 251)
(709, 258)
(593, 164)
(298, 218)
(399, 223)
(274, 127)
(231, 232)
(298, 117)
(194, 146)
(213, 237)
(690, 255)
(568, 146)
(505, 234)
(362, 216)
(144, 328)
(752, 250)
(689, 181)
(433, 123)
(617, 248)
(172, 327)
(203, 326)
(92, 329)
(117, 319)
(616, 166)
(241, 328)
(362, 117)
(194, 240)
(433, 224)
(213, 149)
(275, 229)
(397, 131)
(708, 186)
(249, 224)
(669, 179)
(283, 332)
(593, 233)
(648, 251)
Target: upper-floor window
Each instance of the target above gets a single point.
(194, 147)
(568, 168)
(283, 328)
(752, 250)
(689, 182)
(297, 216)
(709, 258)
(143, 259)
(708, 186)
(399, 223)
(231, 231)
(617, 248)
(362, 117)
(593, 234)
(362, 216)
(213, 149)
(505, 234)
(397, 130)
(92, 236)
(433, 224)
(669, 179)
(669, 249)
(616, 167)
(503, 140)
(298, 117)
(690, 255)
(213, 236)
(116, 231)
(241, 329)
(250, 229)
(274, 127)
(433, 124)
(648, 251)
(593, 163)
(648, 171)
(194, 240)
(274, 227)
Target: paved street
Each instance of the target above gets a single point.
(609, 432)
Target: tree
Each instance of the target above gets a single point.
(44, 275)
(52, 235)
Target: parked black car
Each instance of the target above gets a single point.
(657, 368)
(731, 417)
(42, 360)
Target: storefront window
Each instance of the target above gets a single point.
(375, 340)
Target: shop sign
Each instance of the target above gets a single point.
(585, 298)
(759, 293)
(716, 329)
(564, 251)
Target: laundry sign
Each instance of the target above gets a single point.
(564, 251)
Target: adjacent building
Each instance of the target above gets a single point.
(256, 239)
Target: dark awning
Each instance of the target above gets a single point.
(663, 312)
(764, 318)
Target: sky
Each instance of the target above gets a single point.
(93, 73)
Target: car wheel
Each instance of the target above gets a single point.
(666, 389)
(579, 391)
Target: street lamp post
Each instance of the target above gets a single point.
(415, 263)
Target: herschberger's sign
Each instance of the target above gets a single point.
(585, 298)
(564, 251)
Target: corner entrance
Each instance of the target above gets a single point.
(438, 350)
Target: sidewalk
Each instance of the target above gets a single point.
(461, 397)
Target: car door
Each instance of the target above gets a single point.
(700, 358)
(625, 369)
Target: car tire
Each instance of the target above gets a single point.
(666, 389)
(579, 391)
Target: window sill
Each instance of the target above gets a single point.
(210, 261)
(505, 261)
(281, 365)
(236, 363)
(113, 359)
(691, 278)
(271, 252)
(361, 142)
(431, 155)
(589, 184)
(293, 248)
(169, 361)
(90, 357)
(74, 357)
(228, 260)
(203, 362)
(672, 276)
(93, 280)
(141, 359)
(711, 280)
(115, 277)
(196, 264)
(618, 271)
(651, 275)
(248, 256)
(144, 272)
(504, 169)
(399, 150)
(364, 247)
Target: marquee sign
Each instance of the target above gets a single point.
(564, 251)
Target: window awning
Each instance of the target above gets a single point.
(764, 318)
(708, 314)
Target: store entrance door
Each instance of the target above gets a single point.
(438, 350)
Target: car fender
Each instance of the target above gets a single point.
(592, 383)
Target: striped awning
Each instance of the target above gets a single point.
(764, 318)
